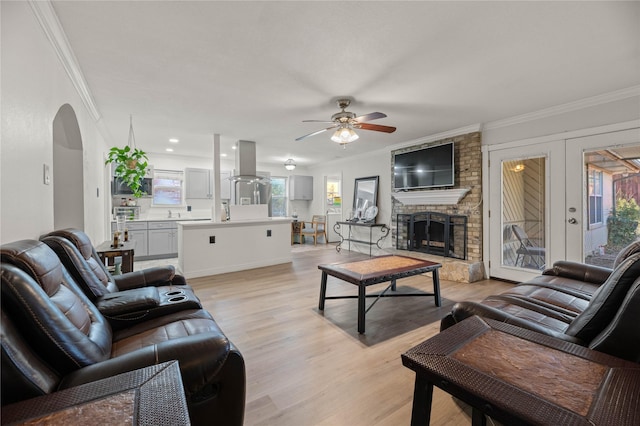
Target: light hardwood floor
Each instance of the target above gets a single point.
(305, 367)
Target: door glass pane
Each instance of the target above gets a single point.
(523, 213)
(334, 195)
(613, 202)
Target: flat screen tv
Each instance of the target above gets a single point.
(429, 167)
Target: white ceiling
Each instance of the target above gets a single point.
(255, 70)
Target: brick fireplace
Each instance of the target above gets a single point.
(464, 199)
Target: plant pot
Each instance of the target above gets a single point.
(131, 164)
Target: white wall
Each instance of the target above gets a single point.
(376, 163)
(34, 86)
(559, 120)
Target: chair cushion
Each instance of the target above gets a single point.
(67, 329)
(606, 300)
(78, 255)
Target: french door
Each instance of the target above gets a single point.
(541, 204)
(608, 156)
(526, 224)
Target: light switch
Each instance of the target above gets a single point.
(46, 174)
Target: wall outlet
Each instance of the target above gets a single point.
(268, 232)
(212, 239)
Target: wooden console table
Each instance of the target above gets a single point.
(384, 230)
(149, 396)
(517, 376)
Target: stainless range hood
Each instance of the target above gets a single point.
(246, 164)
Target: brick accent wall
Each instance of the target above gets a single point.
(468, 174)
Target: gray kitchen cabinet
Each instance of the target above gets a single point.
(140, 238)
(138, 233)
(300, 188)
(163, 239)
(198, 183)
(225, 185)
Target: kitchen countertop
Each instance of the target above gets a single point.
(232, 223)
(165, 219)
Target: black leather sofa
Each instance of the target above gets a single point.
(54, 337)
(589, 305)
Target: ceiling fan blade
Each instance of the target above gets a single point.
(317, 121)
(315, 133)
(376, 127)
(369, 117)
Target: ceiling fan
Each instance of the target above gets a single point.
(345, 122)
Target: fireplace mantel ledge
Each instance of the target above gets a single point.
(437, 196)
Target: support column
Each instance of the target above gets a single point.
(216, 208)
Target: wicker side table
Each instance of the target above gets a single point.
(517, 376)
(149, 396)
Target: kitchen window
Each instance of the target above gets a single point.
(167, 187)
(278, 196)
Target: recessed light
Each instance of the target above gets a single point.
(223, 155)
(169, 150)
(174, 140)
(234, 147)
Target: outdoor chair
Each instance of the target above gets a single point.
(527, 248)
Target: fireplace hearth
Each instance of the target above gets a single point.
(434, 233)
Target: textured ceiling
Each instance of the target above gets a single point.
(255, 70)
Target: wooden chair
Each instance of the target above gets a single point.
(317, 228)
(296, 231)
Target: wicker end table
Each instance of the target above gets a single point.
(517, 376)
(149, 396)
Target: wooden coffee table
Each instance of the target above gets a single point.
(518, 376)
(377, 270)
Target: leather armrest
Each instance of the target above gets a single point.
(579, 271)
(463, 310)
(200, 356)
(127, 302)
(150, 277)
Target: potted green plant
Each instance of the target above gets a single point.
(130, 164)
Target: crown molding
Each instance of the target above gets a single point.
(564, 108)
(46, 15)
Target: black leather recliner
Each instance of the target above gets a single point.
(94, 275)
(146, 294)
(53, 337)
(583, 304)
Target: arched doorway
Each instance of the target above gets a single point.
(68, 194)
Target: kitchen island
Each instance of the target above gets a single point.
(210, 248)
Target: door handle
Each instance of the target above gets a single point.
(572, 221)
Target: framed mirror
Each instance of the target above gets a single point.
(365, 198)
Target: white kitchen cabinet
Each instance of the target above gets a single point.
(162, 238)
(300, 188)
(198, 183)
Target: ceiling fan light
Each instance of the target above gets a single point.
(290, 164)
(344, 135)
